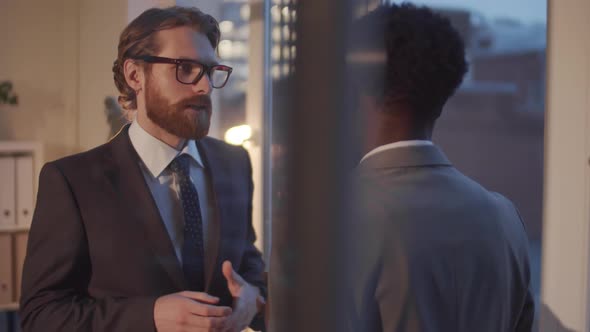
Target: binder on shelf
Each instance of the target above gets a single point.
(6, 272)
(7, 191)
(20, 163)
(24, 190)
(20, 248)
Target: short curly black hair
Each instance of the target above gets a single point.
(422, 56)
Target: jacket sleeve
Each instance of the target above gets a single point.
(527, 315)
(525, 319)
(57, 271)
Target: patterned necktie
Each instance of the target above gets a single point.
(193, 254)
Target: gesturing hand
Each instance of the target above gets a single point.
(245, 299)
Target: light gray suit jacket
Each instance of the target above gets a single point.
(435, 251)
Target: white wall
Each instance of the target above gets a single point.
(136, 7)
(39, 54)
(59, 55)
(567, 173)
(101, 23)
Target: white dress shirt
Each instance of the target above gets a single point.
(155, 157)
(396, 145)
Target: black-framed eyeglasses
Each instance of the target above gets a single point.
(191, 71)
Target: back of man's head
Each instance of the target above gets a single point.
(408, 54)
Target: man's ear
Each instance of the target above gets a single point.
(134, 74)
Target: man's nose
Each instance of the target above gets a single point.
(203, 86)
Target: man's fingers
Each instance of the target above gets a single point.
(201, 297)
(208, 310)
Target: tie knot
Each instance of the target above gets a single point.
(180, 165)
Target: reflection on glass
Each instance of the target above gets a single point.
(238, 135)
(283, 49)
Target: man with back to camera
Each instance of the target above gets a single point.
(151, 231)
(434, 251)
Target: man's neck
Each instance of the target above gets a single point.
(396, 124)
(388, 136)
(151, 128)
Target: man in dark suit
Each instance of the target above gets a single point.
(153, 230)
(435, 251)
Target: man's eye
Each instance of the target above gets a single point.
(186, 67)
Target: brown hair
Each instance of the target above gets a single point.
(138, 39)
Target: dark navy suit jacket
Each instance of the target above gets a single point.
(99, 254)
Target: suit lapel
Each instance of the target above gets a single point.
(217, 174)
(138, 204)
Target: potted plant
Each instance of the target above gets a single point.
(7, 96)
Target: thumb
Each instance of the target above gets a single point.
(234, 281)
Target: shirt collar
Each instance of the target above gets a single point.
(395, 145)
(157, 155)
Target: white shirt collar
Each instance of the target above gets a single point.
(396, 145)
(155, 154)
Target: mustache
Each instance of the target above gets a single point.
(201, 101)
